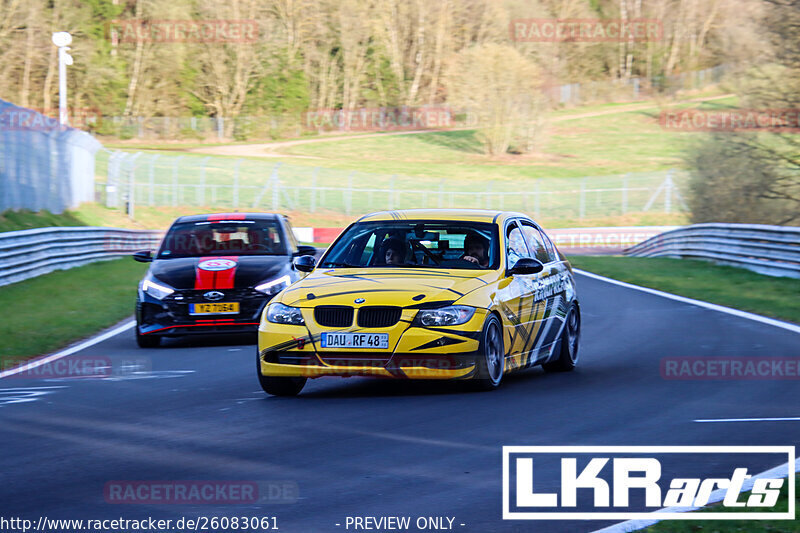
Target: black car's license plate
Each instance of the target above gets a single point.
(217, 308)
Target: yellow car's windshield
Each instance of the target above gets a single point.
(415, 244)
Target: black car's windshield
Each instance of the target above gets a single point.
(416, 244)
(222, 238)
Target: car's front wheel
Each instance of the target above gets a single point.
(279, 386)
(491, 355)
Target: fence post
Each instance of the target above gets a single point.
(152, 175)
(582, 210)
(391, 191)
(236, 183)
(488, 202)
(132, 185)
(314, 189)
(111, 180)
(220, 128)
(441, 193)
(275, 188)
(624, 194)
(203, 163)
(349, 200)
(668, 193)
(176, 188)
(536, 199)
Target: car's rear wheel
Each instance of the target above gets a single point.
(279, 386)
(147, 341)
(568, 345)
(491, 355)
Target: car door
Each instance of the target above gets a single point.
(516, 301)
(548, 291)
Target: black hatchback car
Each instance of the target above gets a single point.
(214, 274)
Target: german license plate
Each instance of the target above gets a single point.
(217, 308)
(375, 341)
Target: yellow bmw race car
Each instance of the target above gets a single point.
(424, 294)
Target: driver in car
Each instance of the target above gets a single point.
(394, 251)
(476, 250)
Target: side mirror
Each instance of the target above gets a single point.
(304, 249)
(305, 263)
(526, 265)
(143, 256)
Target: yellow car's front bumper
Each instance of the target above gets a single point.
(419, 353)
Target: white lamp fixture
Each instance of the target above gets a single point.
(62, 40)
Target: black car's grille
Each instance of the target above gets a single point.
(194, 296)
(333, 316)
(378, 316)
(251, 302)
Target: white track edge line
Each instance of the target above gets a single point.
(716, 497)
(30, 365)
(714, 307)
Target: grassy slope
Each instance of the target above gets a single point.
(577, 145)
(48, 312)
(21, 220)
(731, 526)
(724, 285)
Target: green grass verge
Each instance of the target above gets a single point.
(737, 526)
(723, 285)
(20, 220)
(50, 311)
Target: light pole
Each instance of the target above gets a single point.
(62, 40)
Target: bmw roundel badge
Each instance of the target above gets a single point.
(359, 300)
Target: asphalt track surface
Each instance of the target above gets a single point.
(365, 447)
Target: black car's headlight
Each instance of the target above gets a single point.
(283, 314)
(159, 291)
(274, 286)
(445, 316)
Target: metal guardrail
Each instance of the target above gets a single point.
(770, 250)
(30, 253)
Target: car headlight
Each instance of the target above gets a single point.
(156, 290)
(446, 316)
(283, 314)
(274, 286)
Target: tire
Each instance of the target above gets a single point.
(279, 386)
(491, 360)
(568, 344)
(147, 341)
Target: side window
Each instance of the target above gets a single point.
(536, 243)
(515, 245)
(551, 248)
